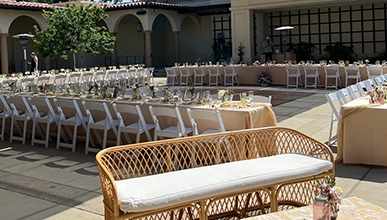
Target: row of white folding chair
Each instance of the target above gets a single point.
(200, 76)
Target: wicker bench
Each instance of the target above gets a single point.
(240, 173)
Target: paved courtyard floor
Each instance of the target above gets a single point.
(39, 183)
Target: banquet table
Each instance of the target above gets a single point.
(248, 75)
(362, 133)
(234, 117)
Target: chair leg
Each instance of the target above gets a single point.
(87, 140)
(33, 133)
(24, 132)
(47, 134)
(75, 137)
(11, 132)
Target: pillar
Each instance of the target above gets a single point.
(177, 46)
(113, 56)
(4, 53)
(242, 34)
(148, 48)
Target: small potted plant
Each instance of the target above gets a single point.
(265, 79)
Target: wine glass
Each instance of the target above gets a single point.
(250, 97)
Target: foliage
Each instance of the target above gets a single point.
(265, 78)
(221, 50)
(380, 56)
(340, 52)
(240, 53)
(302, 50)
(73, 30)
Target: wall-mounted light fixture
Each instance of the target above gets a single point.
(139, 27)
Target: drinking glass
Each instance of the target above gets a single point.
(250, 97)
(242, 97)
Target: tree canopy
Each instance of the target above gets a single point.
(72, 30)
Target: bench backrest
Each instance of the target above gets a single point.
(149, 158)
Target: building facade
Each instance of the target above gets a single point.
(162, 33)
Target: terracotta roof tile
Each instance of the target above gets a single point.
(129, 5)
(24, 5)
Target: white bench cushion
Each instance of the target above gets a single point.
(171, 188)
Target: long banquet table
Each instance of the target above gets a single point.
(362, 133)
(248, 75)
(234, 117)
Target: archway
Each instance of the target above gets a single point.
(190, 44)
(163, 43)
(129, 41)
(22, 24)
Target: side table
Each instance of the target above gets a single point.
(352, 208)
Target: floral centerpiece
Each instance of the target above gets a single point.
(327, 187)
(377, 95)
(135, 94)
(265, 79)
(153, 89)
(223, 94)
(189, 91)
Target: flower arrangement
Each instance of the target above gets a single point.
(189, 91)
(377, 95)
(327, 187)
(265, 79)
(224, 93)
(153, 89)
(135, 94)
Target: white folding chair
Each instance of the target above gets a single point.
(44, 114)
(74, 78)
(99, 77)
(374, 71)
(5, 112)
(87, 78)
(214, 76)
(293, 72)
(379, 80)
(185, 76)
(355, 91)
(200, 76)
(122, 75)
(127, 113)
(25, 84)
(229, 72)
(21, 115)
(335, 103)
(370, 84)
(352, 73)
(111, 77)
(70, 115)
(43, 80)
(171, 76)
(311, 72)
(332, 72)
(345, 95)
(60, 81)
(148, 75)
(363, 86)
(201, 117)
(104, 122)
(172, 131)
(139, 77)
(261, 99)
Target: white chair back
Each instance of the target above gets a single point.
(201, 117)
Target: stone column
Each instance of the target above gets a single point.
(177, 46)
(148, 48)
(242, 34)
(4, 53)
(113, 56)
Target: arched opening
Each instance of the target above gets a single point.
(21, 25)
(163, 43)
(129, 42)
(190, 45)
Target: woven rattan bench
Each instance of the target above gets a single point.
(239, 173)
